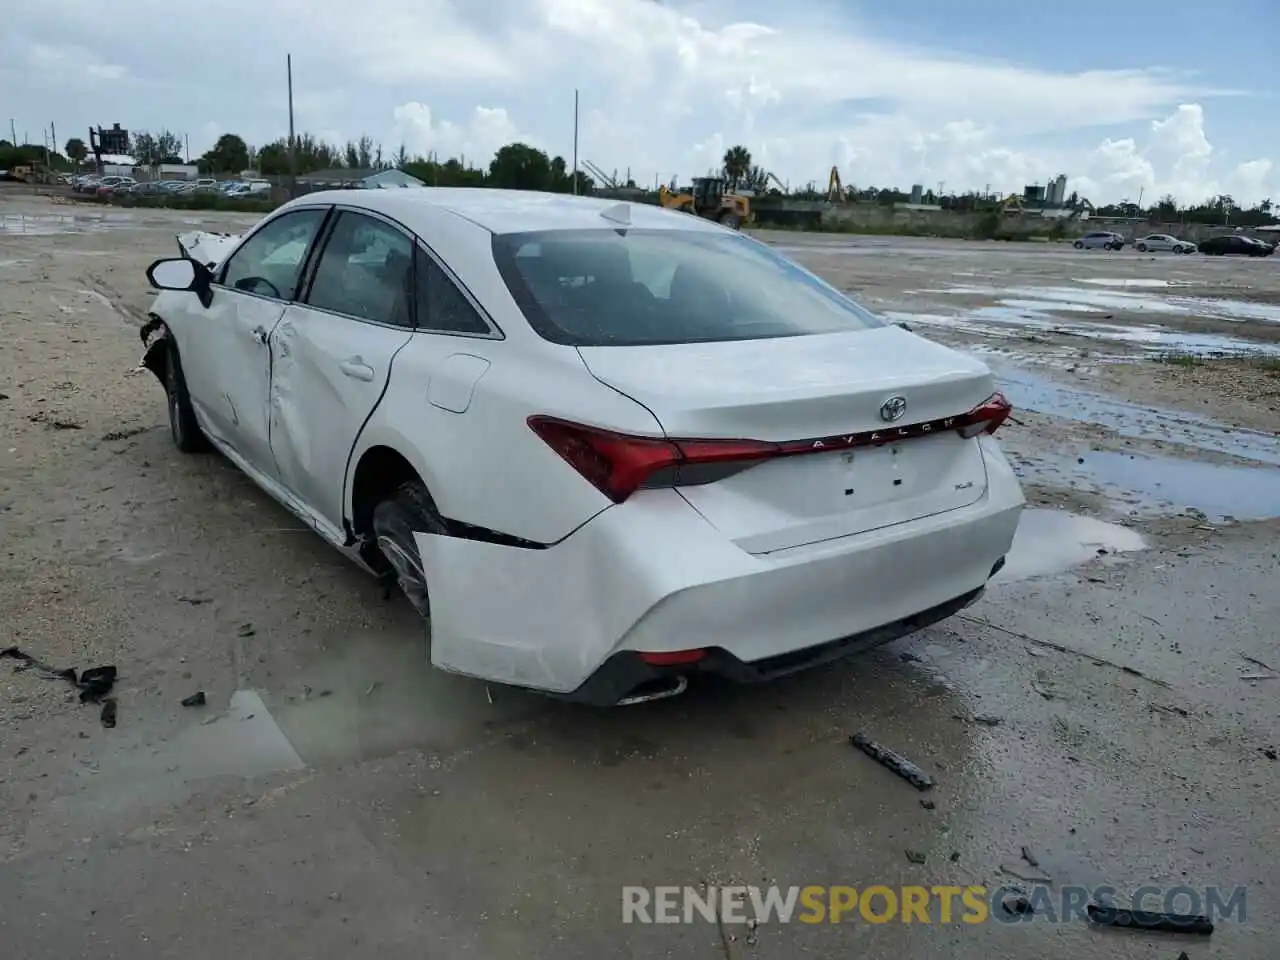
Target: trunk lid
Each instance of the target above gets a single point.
(808, 388)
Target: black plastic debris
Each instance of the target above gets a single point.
(915, 856)
(896, 762)
(1030, 857)
(108, 715)
(1017, 905)
(197, 699)
(94, 684)
(246, 630)
(1149, 920)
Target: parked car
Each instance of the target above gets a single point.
(1100, 240)
(1234, 244)
(1162, 241)
(617, 446)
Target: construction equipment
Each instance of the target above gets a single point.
(835, 189)
(708, 198)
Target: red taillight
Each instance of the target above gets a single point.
(618, 465)
(673, 658)
(986, 417)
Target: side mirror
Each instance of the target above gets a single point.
(178, 273)
(181, 273)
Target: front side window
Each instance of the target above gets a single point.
(269, 263)
(365, 271)
(608, 287)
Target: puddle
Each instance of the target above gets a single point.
(1052, 541)
(134, 772)
(1014, 318)
(53, 224)
(1150, 485)
(1030, 391)
(1136, 283)
(1075, 299)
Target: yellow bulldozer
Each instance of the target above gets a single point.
(709, 198)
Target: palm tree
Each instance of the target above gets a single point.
(737, 163)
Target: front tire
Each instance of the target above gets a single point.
(186, 432)
(731, 220)
(1079, 244)
(1142, 248)
(395, 521)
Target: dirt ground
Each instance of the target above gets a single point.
(1106, 708)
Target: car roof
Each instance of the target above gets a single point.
(507, 211)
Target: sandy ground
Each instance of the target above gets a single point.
(337, 798)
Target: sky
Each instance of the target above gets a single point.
(1129, 101)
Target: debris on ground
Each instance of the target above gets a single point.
(1062, 648)
(93, 684)
(1024, 876)
(372, 687)
(983, 719)
(197, 699)
(1030, 857)
(896, 762)
(1149, 920)
(108, 715)
(1260, 663)
(1162, 708)
(246, 630)
(915, 856)
(1017, 905)
(194, 601)
(926, 803)
(124, 434)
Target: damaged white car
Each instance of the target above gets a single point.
(603, 447)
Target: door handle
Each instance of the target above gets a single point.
(259, 334)
(357, 369)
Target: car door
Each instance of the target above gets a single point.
(225, 354)
(332, 354)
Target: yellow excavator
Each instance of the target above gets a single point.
(709, 198)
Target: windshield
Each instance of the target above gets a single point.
(629, 287)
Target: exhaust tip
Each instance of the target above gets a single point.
(659, 689)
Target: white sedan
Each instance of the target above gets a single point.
(601, 446)
(1162, 241)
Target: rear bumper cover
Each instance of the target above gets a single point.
(626, 671)
(651, 575)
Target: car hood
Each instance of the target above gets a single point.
(207, 248)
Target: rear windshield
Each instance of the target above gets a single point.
(630, 287)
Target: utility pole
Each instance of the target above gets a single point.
(293, 150)
(575, 142)
(13, 132)
(53, 136)
(186, 139)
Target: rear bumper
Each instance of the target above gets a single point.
(652, 575)
(626, 673)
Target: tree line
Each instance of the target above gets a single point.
(519, 166)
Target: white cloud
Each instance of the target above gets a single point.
(476, 140)
(665, 88)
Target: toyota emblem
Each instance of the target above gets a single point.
(893, 409)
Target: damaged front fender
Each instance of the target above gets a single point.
(155, 348)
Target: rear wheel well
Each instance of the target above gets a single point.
(380, 472)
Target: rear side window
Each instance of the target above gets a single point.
(365, 271)
(614, 288)
(442, 307)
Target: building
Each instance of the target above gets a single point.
(349, 178)
(177, 171)
(1057, 191)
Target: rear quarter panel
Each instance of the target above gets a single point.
(485, 466)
